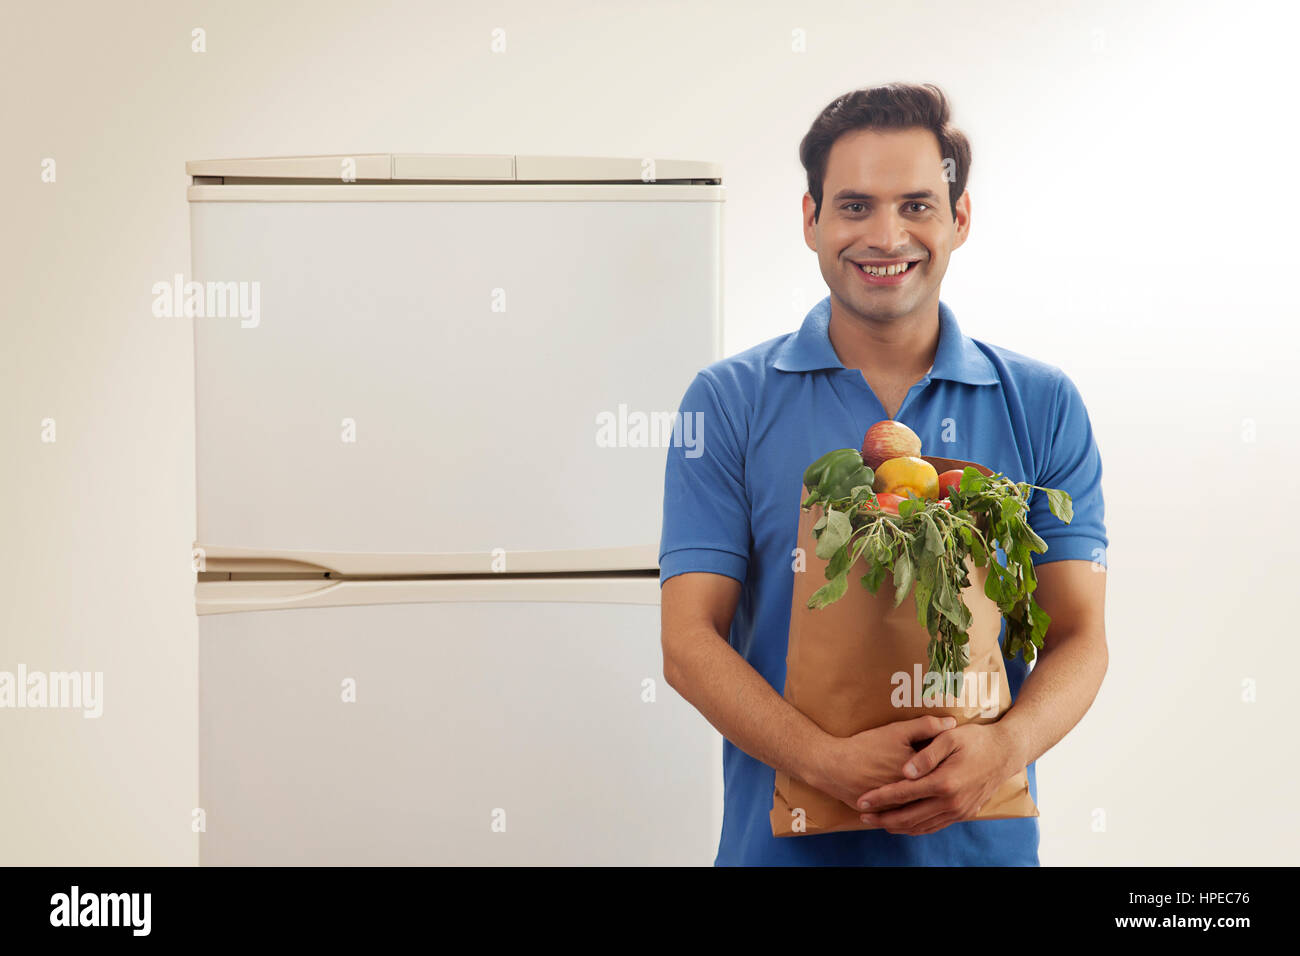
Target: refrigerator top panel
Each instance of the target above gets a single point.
(432, 377)
(452, 168)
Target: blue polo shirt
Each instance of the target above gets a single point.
(731, 506)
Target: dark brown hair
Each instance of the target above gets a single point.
(892, 106)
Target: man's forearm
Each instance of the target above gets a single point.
(1056, 694)
(742, 705)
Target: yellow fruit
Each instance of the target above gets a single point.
(898, 476)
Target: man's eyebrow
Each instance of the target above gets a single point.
(854, 194)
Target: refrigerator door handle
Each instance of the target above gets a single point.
(223, 597)
(223, 559)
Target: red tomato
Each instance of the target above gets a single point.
(953, 478)
(889, 502)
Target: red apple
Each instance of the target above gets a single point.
(889, 439)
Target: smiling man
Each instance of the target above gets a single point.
(885, 208)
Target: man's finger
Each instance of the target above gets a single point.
(908, 818)
(935, 824)
(897, 794)
(930, 757)
(923, 728)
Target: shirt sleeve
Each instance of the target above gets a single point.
(706, 524)
(1072, 464)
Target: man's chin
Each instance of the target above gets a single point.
(880, 308)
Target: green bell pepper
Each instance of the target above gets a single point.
(836, 473)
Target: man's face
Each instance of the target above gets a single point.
(874, 209)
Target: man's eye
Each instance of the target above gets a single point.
(848, 207)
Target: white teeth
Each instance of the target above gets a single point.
(884, 270)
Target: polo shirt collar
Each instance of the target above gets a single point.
(957, 359)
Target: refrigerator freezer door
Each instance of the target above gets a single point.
(474, 732)
(449, 376)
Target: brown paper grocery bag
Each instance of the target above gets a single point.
(841, 667)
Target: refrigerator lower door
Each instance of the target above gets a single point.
(513, 722)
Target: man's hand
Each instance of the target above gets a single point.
(872, 758)
(952, 779)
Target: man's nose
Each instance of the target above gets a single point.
(884, 232)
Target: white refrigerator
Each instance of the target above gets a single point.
(433, 403)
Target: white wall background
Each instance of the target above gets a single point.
(1132, 198)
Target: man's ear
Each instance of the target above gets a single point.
(963, 218)
(809, 227)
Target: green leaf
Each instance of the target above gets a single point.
(902, 575)
(950, 604)
(1042, 621)
(1061, 503)
(861, 493)
(839, 562)
(838, 529)
(933, 539)
(1034, 541)
(922, 590)
(859, 546)
(910, 506)
(873, 578)
(829, 593)
(972, 480)
(994, 585)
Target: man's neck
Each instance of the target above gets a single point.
(904, 346)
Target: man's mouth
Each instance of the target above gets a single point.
(888, 273)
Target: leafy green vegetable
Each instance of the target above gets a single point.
(925, 547)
